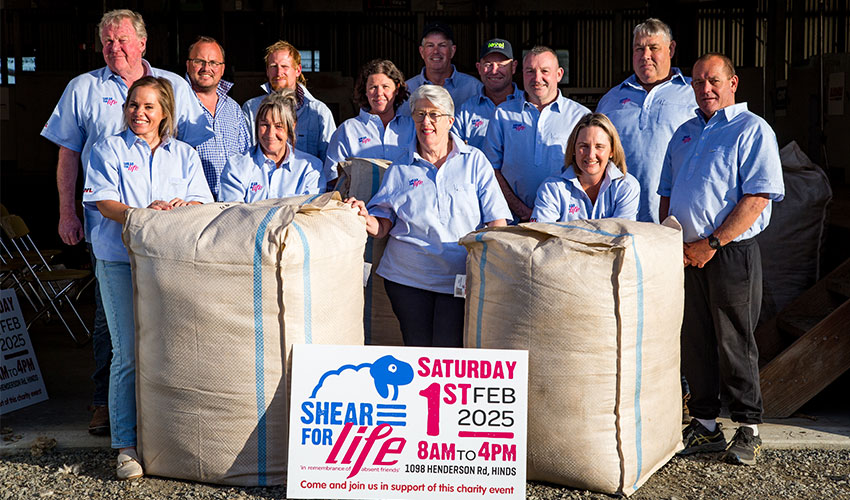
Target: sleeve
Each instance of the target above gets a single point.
(102, 176)
(547, 204)
(381, 203)
(665, 184)
(494, 140)
(230, 186)
(458, 127)
(249, 121)
(192, 125)
(627, 199)
(197, 188)
(327, 127)
(337, 151)
(760, 167)
(490, 198)
(64, 127)
(245, 137)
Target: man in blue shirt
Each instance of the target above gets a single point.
(496, 67)
(315, 123)
(648, 107)
(90, 110)
(527, 137)
(720, 173)
(204, 69)
(437, 48)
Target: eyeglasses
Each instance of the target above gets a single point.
(199, 63)
(419, 116)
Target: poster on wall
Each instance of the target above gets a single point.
(21, 383)
(407, 422)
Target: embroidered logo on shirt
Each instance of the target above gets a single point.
(88, 190)
(686, 139)
(130, 166)
(415, 182)
(573, 208)
(625, 100)
(477, 123)
(519, 127)
(255, 186)
(109, 101)
(364, 140)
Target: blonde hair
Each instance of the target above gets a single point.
(165, 96)
(618, 156)
(114, 18)
(293, 53)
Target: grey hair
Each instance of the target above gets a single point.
(652, 27)
(438, 96)
(283, 104)
(114, 18)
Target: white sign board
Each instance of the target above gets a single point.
(407, 422)
(20, 378)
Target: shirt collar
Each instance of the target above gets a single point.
(449, 78)
(678, 78)
(556, 105)
(131, 138)
(261, 160)
(107, 73)
(221, 90)
(611, 172)
(516, 93)
(300, 92)
(458, 148)
(727, 113)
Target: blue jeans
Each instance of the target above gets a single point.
(101, 345)
(116, 290)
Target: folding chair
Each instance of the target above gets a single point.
(44, 279)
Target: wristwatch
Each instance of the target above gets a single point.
(713, 242)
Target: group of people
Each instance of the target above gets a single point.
(465, 154)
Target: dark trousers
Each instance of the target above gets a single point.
(428, 319)
(101, 344)
(722, 303)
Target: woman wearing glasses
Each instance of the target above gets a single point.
(442, 190)
(377, 132)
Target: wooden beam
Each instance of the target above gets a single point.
(811, 363)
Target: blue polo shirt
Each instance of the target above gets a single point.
(431, 209)
(562, 199)
(528, 145)
(92, 108)
(646, 122)
(122, 168)
(364, 136)
(474, 115)
(231, 135)
(460, 86)
(710, 166)
(253, 177)
(315, 123)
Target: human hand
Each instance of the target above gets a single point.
(70, 229)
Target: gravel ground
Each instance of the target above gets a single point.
(780, 474)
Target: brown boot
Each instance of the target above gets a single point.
(99, 425)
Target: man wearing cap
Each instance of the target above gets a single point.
(437, 49)
(527, 137)
(648, 107)
(496, 67)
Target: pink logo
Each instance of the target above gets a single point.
(573, 208)
(109, 101)
(415, 182)
(686, 139)
(477, 123)
(130, 166)
(364, 140)
(255, 187)
(625, 100)
(519, 127)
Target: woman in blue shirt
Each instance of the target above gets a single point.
(143, 166)
(273, 168)
(378, 131)
(594, 184)
(443, 190)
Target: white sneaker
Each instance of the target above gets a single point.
(129, 466)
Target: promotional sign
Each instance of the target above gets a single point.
(407, 422)
(20, 378)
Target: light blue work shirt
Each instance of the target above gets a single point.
(92, 108)
(231, 135)
(431, 209)
(710, 166)
(528, 145)
(252, 177)
(122, 168)
(475, 113)
(645, 122)
(364, 136)
(460, 86)
(562, 198)
(314, 127)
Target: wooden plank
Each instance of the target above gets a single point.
(809, 365)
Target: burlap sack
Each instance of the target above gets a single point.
(222, 291)
(598, 304)
(361, 178)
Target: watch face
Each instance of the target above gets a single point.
(713, 242)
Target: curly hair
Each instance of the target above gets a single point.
(375, 67)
